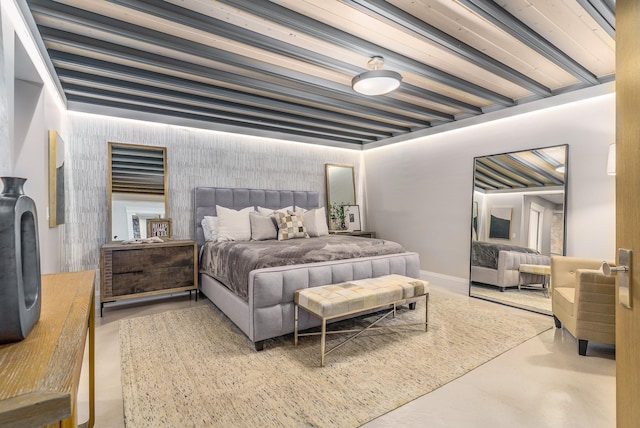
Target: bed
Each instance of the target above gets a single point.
(498, 264)
(265, 309)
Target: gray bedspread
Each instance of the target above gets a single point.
(231, 262)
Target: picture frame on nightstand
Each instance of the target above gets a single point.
(352, 217)
(160, 227)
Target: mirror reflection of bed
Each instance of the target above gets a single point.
(517, 224)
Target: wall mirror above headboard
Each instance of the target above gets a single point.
(341, 185)
(519, 206)
(137, 189)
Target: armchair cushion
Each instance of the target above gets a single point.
(583, 299)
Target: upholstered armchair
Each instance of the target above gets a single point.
(583, 300)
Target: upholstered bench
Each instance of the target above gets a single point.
(339, 300)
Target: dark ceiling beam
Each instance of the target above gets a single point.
(483, 167)
(212, 25)
(101, 23)
(548, 159)
(214, 94)
(382, 9)
(33, 30)
(76, 83)
(516, 28)
(146, 59)
(603, 12)
(487, 182)
(222, 28)
(152, 105)
(519, 172)
(283, 16)
(479, 184)
(440, 99)
(536, 169)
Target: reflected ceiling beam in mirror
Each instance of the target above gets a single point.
(507, 163)
(497, 179)
(548, 174)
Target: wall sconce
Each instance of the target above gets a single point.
(376, 81)
(611, 160)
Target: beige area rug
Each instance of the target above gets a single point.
(194, 368)
(529, 298)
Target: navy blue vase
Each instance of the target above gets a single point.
(20, 282)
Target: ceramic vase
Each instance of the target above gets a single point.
(20, 282)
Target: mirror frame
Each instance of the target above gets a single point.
(475, 215)
(109, 183)
(327, 168)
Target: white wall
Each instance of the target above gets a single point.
(27, 111)
(420, 192)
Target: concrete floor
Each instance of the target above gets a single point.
(540, 383)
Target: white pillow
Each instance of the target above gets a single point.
(316, 222)
(210, 228)
(234, 225)
(268, 211)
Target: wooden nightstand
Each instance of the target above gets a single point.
(361, 233)
(146, 269)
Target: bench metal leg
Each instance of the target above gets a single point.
(426, 311)
(323, 332)
(295, 324)
(323, 338)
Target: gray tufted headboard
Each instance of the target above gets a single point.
(206, 199)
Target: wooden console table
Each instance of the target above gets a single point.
(39, 376)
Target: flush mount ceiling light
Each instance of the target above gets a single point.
(376, 81)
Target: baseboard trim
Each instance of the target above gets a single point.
(452, 283)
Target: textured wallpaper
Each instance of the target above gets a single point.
(5, 134)
(195, 158)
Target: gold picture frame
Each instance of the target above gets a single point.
(56, 179)
(160, 227)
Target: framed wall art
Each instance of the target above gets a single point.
(160, 227)
(56, 179)
(500, 223)
(352, 217)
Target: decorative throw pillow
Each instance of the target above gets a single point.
(316, 222)
(268, 211)
(233, 225)
(210, 228)
(262, 228)
(291, 226)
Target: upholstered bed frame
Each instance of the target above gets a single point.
(269, 311)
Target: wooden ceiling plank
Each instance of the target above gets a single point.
(503, 19)
(467, 52)
(453, 18)
(143, 59)
(602, 13)
(566, 25)
(302, 23)
(126, 35)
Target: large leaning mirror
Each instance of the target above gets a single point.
(137, 189)
(517, 225)
(341, 186)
